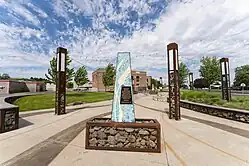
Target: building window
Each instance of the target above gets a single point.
(132, 78)
(137, 84)
(147, 80)
(137, 79)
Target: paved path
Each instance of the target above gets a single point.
(59, 140)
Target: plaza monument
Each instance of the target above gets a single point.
(123, 132)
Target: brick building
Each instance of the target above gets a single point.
(140, 80)
(97, 77)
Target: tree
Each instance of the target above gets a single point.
(210, 69)
(241, 75)
(183, 74)
(5, 76)
(200, 83)
(159, 84)
(156, 83)
(80, 77)
(109, 76)
(51, 76)
(70, 85)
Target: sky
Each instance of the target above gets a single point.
(94, 31)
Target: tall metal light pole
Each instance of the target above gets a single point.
(60, 105)
(161, 80)
(225, 79)
(191, 81)
(173, 81)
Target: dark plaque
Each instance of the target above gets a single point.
(9, 120)
(126, 97)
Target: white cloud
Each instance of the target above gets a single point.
(16, 9)
(38, 10)
(201, 28)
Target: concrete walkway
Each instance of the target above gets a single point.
(41, 127)
(59, 140)
(183, 143)
(164, 106)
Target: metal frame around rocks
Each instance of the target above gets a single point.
(225, 79)
(9, 119)
(97, 123)
(173, 81)
(60, 102)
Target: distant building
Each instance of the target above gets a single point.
(15, 86)
(88, 86)
(140, 80)
(97, 77)
(50, 86)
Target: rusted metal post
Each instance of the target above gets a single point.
(225, 79)
(191, 81)
(60, 102)
(173, 81)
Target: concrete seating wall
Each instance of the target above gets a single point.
(222, 112)
(227, 113)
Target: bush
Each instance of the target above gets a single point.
(69, 85)
(201, 97)
(200, 83)
(214, 98)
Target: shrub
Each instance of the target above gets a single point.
(201, 97)
(213, 98)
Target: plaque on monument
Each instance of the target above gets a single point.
(126, 97)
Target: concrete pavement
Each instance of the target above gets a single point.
(164, 106)
(183, 143)
(42, 127)
(49, 141)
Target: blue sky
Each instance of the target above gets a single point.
(94, 31)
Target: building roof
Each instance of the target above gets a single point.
(138, 71)
(26, 82)
(99, 70)
(4, 80)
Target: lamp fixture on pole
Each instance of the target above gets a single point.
(191, 81)
(60, 104)
(225, 79)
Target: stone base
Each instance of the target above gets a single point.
(144, 135)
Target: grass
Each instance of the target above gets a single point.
(214, 98)
(46, 101)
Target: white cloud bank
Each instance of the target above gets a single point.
(201, 28)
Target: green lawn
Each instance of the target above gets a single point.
(214, 98)
(46, 101)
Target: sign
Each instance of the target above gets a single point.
(243, 85)
(126, 96)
